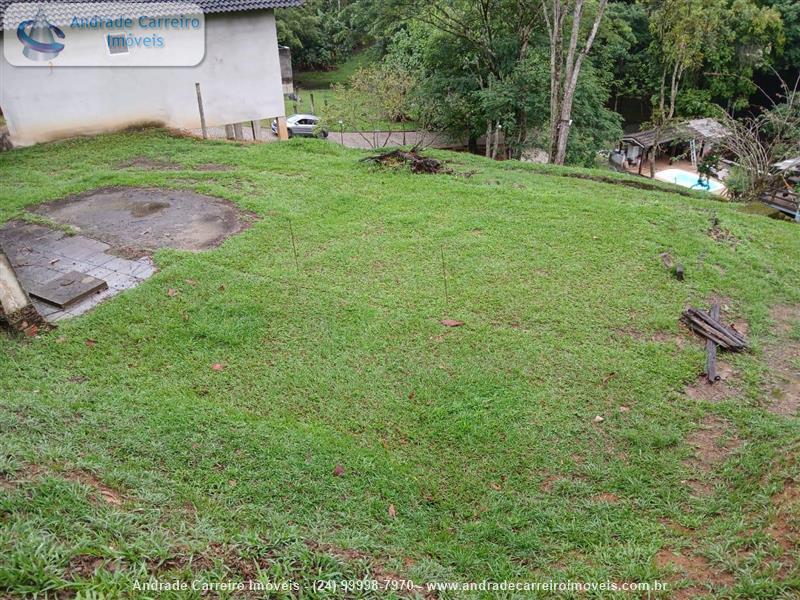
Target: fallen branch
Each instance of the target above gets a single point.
(417, 162)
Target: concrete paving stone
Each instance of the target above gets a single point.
(67, 289)
(32, 249)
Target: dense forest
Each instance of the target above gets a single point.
(565, 76)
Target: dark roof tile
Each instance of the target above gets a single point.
(60, 17)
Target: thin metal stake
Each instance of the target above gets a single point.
(444, 278)
(294, 247)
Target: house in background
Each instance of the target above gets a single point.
(695, 138)
(239, 75)
(785, 196)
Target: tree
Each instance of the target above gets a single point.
(374, 98)
(681, 29)
(565, 69)
(482, 44)
(320, 32)
(760, 141)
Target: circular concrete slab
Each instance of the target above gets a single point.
(138, 221)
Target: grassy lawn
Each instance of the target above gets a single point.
(318, 84)
(325, 102)
(322, 99)
(346, 433)
(317, 80)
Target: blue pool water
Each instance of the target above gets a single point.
(689, 180)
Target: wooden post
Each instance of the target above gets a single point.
(313, 109)
(237, 131)
(229, 133)
(711, 350)
(256, 125)
(642, 154)
(202, 111)
(16, 308)
(283, 131)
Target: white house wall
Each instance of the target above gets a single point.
(240, 78)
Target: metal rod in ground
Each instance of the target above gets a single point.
(294, 247)
(444, 278)
(711, 350)
(202, 111)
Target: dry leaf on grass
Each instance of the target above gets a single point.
(451, 323)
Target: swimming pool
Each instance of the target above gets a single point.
(689, 180)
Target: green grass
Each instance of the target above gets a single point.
(319, 83)
(322, 98)
(481, 437)
(318, 80)
(325, 102)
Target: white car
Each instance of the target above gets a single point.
(302, 126)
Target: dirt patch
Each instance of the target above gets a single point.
(722, 235)
(29, 473)
(83, 566)
(144, 163)
(676, 527)
(717, 391)
(547, 485)
(138, 221)
(213, 167)
(785, 530)
(606, 497)
(681, 339)
(380, 573)
(785, 317)
(713, 443)
(10, 481)
(694, 568)
(103, 491)
(783, 359)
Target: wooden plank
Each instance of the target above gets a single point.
(724, 336)
(202, 111)
(229, 133)
(711, 350)
(283, 131)
(256, 125)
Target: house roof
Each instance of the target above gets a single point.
(703, 129)
(61, 13)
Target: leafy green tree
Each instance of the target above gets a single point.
(569, 47)
(749, 38)
(373, 99)
(788, 57)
